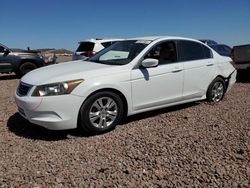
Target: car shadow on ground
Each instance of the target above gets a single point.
(153, 113)
(23, 128)
(8, 77)
(243, 76)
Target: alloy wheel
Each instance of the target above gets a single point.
(217, 91)
(103, 112)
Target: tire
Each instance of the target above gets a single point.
(216, 90)
(101, 112)
(25, 68)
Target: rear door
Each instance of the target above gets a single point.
(198, 65)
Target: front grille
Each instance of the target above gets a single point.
(23, 89)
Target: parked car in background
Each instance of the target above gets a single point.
(208, 42)
(222, 49)
(129, 77)
(241, 56)
(19, 61)
(88, 48)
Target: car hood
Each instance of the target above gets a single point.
(68, 71)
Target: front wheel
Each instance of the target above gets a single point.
(216, 90)
(101, 112)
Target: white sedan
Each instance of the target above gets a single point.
(129, 77)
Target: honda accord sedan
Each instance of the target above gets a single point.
(128, 77)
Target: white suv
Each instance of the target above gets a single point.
(90, 47)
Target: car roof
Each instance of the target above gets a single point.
(153, 38)
(150, 38)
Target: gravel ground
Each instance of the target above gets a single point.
(197, 145)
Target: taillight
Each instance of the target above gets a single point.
(91, 53)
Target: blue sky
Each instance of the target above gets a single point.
(62, 23)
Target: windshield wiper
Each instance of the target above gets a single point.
(106, 62)
(98, 61)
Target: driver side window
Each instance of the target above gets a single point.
(1, 49)
(164, 52)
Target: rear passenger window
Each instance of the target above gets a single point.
(190, 50)
(207, 52)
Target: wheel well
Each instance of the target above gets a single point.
(123, 98)
(226, 80)
(27, 61)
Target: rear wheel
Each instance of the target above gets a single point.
(216, 90)
(101, 112)
(25, 68)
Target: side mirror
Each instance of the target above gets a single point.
(150, 62)
(6, 51)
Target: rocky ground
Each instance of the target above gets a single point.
(197, 144)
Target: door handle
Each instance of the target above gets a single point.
(177, 69)
(210, 64)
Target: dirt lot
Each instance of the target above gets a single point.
(197, 144)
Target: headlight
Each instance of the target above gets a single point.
(60, 88)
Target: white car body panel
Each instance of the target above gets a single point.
(67, 71)
(195, 82)
(64, 117)
(143, 89)
(159, 79)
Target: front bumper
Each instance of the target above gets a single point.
(53, 112)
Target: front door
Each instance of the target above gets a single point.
(161, 85)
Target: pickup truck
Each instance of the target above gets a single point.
(20, 62)
(241, 57)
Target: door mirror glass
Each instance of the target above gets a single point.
(150, 62)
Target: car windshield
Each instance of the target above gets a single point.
(120, 53)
